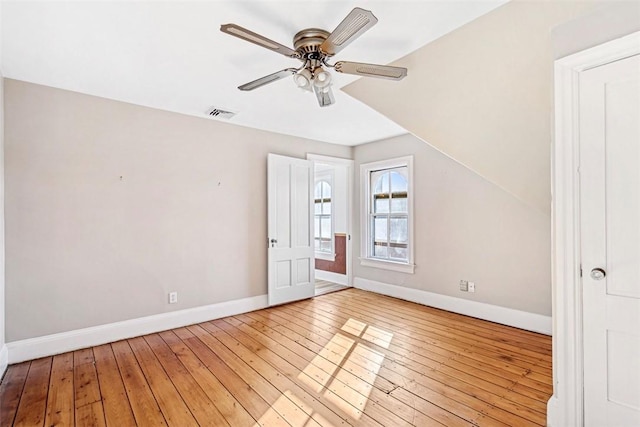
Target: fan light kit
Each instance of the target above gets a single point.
(314, 47)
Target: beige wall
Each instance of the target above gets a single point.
(483, 94)
(109, 206)
(608, 21)
(466, 228)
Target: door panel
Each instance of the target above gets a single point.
(291, 253)
(610, 240)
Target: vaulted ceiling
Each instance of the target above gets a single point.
(172, 56)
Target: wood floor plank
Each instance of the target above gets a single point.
(202, 408)
(31, 410)
(11, 390)
(245, 393)
(117, 409)
(232, 409)
(308, 391)
(143, 404)
(346, 358)
(282, 404)
(173, 407)
(61, 398)
(324, 370)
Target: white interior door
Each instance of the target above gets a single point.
(610, 241)
(291, 259)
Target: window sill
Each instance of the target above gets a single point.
(325, 256)
(388, 265)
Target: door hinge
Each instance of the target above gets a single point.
(349, 236)
(580, 270)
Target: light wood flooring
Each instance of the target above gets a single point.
(344, 358)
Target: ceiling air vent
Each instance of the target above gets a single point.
(219, 113)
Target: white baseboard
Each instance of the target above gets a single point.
(494, 313)
(4, 359)
(48, 345)
(330, 276)
(554, 417)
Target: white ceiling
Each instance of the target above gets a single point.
(172, 56)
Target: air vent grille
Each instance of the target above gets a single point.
(219, 113)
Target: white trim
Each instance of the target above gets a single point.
(400, 267)
(330, 276)
(48, 345)
(366, 259)
(4, 359)
(329, 160)
(565, 407)
(493, 313)
(326, 256)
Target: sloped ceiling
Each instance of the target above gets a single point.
(171, 55)
(483, 94)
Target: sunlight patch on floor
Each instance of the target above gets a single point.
(348, 384)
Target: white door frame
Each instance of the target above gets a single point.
(565, 407)
(349, 164)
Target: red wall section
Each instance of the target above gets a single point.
(340, 264)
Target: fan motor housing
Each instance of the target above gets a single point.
(307, 43)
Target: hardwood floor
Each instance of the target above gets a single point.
(344, 358)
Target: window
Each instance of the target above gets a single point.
(387, 221)
(322, 217)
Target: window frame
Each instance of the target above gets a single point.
(366, 257)
(326, 176)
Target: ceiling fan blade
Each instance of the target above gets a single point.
(371, 70)
(353, 26)
(324, 95)
(250, 36)
(268, 79)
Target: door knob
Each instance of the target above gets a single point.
(598, 274)
(273, 242)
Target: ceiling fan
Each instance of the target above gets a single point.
(314, 47)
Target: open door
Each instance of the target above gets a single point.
(291, 257)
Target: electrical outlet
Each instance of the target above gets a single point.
(173, 297)
(472, 286)
(464, 286)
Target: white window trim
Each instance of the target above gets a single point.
(328, 177)
(366, 260)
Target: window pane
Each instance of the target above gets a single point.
(380, 251)
(381, 205)
(399, 254)
(399, 205)
(317, 194)
(317, 244)
(325, 246)
(380, 182)
(325, 227)
(326, 190)
(380, 229)
(316, 223)
(398, 181)
(326, 208)
(398, 230)
(317, 208)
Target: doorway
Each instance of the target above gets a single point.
(332, 222)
